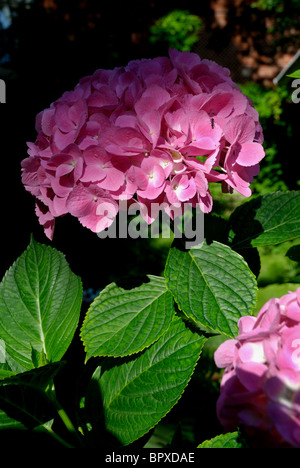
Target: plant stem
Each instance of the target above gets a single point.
(65, 419)
(68, 423)
(58, 438)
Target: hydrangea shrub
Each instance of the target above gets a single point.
(154, 131)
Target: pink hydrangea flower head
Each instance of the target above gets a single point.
(260, 386)
(157, 129)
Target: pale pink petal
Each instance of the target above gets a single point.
(240, 128)
(225, 354)
(250, 154)
(113, 179)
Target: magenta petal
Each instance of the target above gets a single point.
(47, 121)
(80, 202)
(78, 112)
(93, 173)
(59, 206)
(62, 118)
(46, 219)
(150, 126)
(94, 155)
(62, 140)
(105, 97)
(127, 142)
(138, 176)
(152, 99)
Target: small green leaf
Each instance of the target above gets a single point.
(40, 301)
(266, 220)
(136, 392)
(212, 285)
(229, 440)
(295, 74)
(122, 321)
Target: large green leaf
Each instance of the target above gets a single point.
(137, 391)
(40, 300)
(266, 220)
(212, 285)
(124, 321)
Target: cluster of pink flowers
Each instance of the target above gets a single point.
(156, 131)
(260, 387)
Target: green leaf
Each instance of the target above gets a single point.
(136, 392)
(7, 423)
(122, 321)
(229, 440)
(23, 397)
(4, 374)
(295, 74)
(212, 285)
(40, 301)
(266, 220)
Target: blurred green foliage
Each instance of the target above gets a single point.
(277, 266)
(178, 29)
(266, 100)
(278, 6)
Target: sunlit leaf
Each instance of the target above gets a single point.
(40, 301)
(124, 321)
(212, 285)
